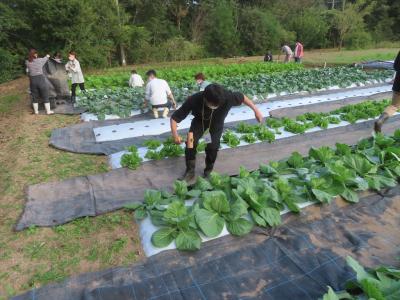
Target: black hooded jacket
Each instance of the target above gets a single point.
(396, 84)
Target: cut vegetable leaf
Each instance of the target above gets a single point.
(210, 223)
(239, 227)
(188, 240)
(163, 237)
(271, 216)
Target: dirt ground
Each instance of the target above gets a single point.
(41, 255)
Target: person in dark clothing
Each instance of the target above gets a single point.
(395, 105)
(37, 81)
(268, 57)
(209, 109)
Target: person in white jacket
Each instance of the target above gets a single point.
(73, 68)
(157, 93)
(135, 80)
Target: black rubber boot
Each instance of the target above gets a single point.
(208, 169)
(73, 99)
(378, 124)
(190, 171)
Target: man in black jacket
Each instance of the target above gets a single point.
(391, 109)
(209, 109)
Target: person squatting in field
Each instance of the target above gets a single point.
(157, 93)
(73, 68)
(135, 80)
(268, 56)
(201, 81)
(209, 109)
(395, 105)
(37, 81)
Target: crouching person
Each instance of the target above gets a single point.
(209, 109)
(157, 93)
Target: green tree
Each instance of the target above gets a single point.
(260, 31)
(349, 21)
(221, 36)
(311, 27)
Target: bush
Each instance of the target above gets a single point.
(311, 28)
(177, 48)
(358, 40)
(9, 67)
(260, 31)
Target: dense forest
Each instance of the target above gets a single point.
(118, 32)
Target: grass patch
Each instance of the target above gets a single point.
(335, 57)
(8, 101)
(38, 256)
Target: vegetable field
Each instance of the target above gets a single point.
(120, 101)
(245, 133)
(257, 198)
(183, 75)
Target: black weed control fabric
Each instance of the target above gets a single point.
(80, 138)
(56, 203)
(68, 109)
(298, 261)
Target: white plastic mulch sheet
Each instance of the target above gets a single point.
(146, 230)
(242, 113)
(86, 117)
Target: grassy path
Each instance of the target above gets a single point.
(42, 255)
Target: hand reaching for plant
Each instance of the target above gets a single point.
(177, 139)
(258, 115)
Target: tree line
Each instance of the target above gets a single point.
(117, 32)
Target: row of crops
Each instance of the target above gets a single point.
(183, 75)
(257, 198)
(121, 101)
(379, 283)
(245, 133)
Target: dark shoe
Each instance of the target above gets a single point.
(190, 171)
(378, 124)
(208, 170)
(73, 99)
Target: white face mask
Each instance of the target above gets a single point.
(210, 106)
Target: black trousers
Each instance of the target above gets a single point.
(39, 89)
(73, 88)
(211, 149)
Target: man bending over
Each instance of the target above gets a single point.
(209, 109)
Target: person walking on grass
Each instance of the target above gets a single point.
(157, 93)
(201, 81)
(73, 68)
(209, 109)
(268, 57)
(37, 81)
(288, 53)
(298, 52)
(135, 80)
(395, 105)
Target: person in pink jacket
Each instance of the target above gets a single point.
(298, 52)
